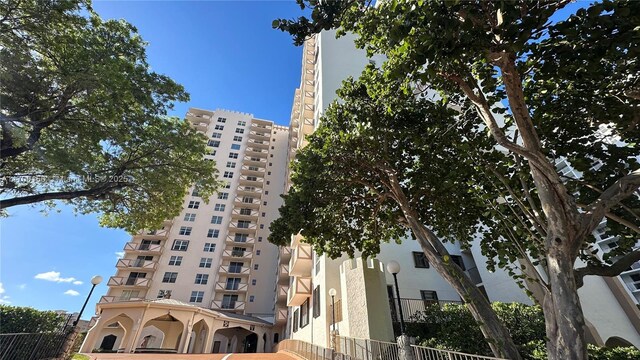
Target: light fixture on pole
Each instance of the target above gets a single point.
(94, 281)
(394, 268)
(332, 293)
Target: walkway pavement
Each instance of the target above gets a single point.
(259, 356)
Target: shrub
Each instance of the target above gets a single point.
(16, 319)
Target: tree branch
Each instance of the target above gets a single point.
(607, 270)
(61, 195)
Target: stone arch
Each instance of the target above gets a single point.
(199, 335)
(119, 326)
(236, 339)
(151, 338)
(171, 329)
(616, 341)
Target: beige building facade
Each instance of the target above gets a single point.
(205, 282)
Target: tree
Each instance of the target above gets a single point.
(547, 91)
(16, 319)
(364, 178)
(84, 120)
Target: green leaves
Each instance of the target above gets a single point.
(84, 118)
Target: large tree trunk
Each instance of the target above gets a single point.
(494, 331)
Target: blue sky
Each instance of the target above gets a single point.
(227, 56)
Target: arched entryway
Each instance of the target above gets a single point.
(113, 334)
(616, 341)
(160, 334)
(108, 342)
(234, 340)
(197, 342)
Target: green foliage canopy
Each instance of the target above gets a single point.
(84, 119)
(17, 319)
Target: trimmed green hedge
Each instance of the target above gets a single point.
(16, 319)
(451, 327)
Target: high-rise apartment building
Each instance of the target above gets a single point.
(205, 282)
(364, 304)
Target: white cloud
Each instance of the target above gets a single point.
(77, 282)
(120, 254)
(1, 288)
(3, 298)
(22, 286)
(55, 277)
(72, 293)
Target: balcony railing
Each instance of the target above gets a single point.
(145, 248)
(301, 260)
(232, 305)
(133, 282)
(299, 291)
(231, 240)
(226, 269)
(228, 287)
(236, 254)
(412, 308)
(137, 264)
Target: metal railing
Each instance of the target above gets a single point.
(366, 349)
(36, 346)
(308, 351)
(425, 353)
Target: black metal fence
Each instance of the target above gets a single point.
(37, 346)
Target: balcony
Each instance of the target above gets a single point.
(299, 291)
(283, 292)
(117, 281)
(249, 190)
(249, 241)
(246, 180)
(252, 170)
(301, 261)
(196, 118)
(109, 299)
(259, 135)
(262, 127)
(240, 227)
(256, 152)
(633, 269)
(136, 264)
(254, 161)
(234, 271)
(243, 214)
(281, 314)
(248, 202)
(237, 254)
(285, 254)
(258, 144)
(296, 240)
(224, 287)
(151, 249)
(231, 305)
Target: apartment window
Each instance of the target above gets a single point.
(213, 233)
(218, 207)
(458, 260)
(209, 247)
(170, 277)
(196, 296)
(185, 230)
(264, 214)
(232, 283)
(229, 301)
(251, 298)
(175, 260)
(164, 294)
(259, 238)
(261, 226)
(240, 237)
(235, 146)
(180, 245)
(266, 192)
(212, 152)
(189, 217)
(270, 164)
(242, 123)
(256, 266)
(253, 281)
(316, 302)
(216, 135)
(231, 164)
(195, 193)
(194, 204)
(316, 262)
(227, 186)
(296, 316)
(429, 296)
(129, 294)
(202, 279)
(235, 267)
(233, 155)
(223, 196)
(219, 127)
(304, 314)
(228, 174)
(257, 252)
(216, 219)
(214, 143)
(237, 138)
(264, 203)
(222, 120)
(244, 224)
(245, 211)
(247, 199)
(268, 172)
(205, 262)
(420, 260)
(239, 131)
(252, 178)
(268, 182)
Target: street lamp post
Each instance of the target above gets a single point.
(394, 268)
(94, 281)
(332, 293)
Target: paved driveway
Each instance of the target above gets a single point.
(277, 356)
